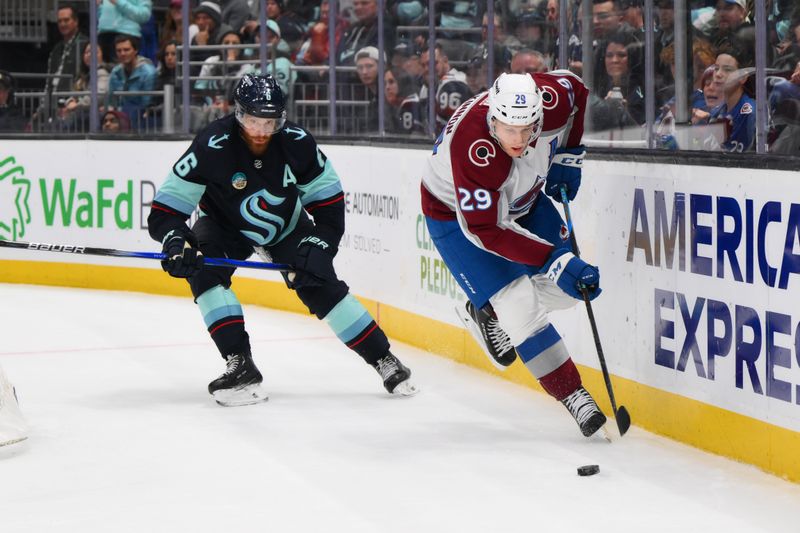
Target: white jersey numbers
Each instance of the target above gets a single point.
(479, 199)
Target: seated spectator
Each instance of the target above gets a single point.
(403, 107)
(293, 27)
(120, 17)
(632, 13)
(315, 50)
(166, 74)
(528, 62)
(784, 103)
(732, 32)
(75, 113)
(11, 117)
(367, 70)
(607, 19)
(407, 57)
(618, 99)
(64, 63)
(208, 17)
(115, 122)
(364, 32)
(451, 88)
(703, 57)
(215, 67)
(236, 13)
(281, 67)
(504, 44)
(132, 73)
(737, 111)
(788, 50)
(172, 28)
(531, 30)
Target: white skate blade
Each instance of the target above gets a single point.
(247, 395)
(405, 388)
(475, 331)
(602, 434)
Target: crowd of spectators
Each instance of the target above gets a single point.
(139, 39)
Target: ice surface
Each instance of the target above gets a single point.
(125, 438)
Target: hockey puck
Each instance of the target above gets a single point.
(588, 470)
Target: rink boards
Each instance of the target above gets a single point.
(699, 267)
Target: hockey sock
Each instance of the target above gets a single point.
(224, 320)
(354, 326)
(546, 357)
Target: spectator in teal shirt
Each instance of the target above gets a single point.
(123, 17)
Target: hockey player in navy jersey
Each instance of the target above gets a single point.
(503, 240)
(256, 178)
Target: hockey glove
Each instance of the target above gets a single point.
(313, 263)
(572, 274)
(184, 260)
(565, 170)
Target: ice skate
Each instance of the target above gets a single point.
(485, 328)
(583, 408)
(13, 428)
(240, 384)
(396, 376)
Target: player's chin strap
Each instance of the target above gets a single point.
(620, 414)
(108, 252)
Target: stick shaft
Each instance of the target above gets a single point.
(110, 252)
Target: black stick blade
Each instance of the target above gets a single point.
(623, 420)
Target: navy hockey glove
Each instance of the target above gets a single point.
(184, 260)
(313, 263)
(572, 274)
(565, 170)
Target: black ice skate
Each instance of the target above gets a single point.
(485, 328)
(583, 408)
(396, 376)
(240, 384)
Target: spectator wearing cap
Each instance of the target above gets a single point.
(120, 17)
(132, 73)
(406, 56)
(280, 67)
(208, 17)
(531, 31)
(733, 33)
(11, 117)
(364, 32)
(632, 13)
(367, 70)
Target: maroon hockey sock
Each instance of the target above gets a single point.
(562, 381)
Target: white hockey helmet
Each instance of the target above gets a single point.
(514, 99)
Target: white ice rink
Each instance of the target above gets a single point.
(124, 438)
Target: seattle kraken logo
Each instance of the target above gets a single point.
(254, 210)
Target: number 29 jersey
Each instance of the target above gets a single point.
(469, 178)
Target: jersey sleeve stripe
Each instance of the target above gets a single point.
(326, 185)
(180, 194)
(338, 198)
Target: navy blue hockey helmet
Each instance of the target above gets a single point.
(260, 97)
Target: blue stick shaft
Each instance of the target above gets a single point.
(109, 252)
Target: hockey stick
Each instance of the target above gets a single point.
(109, 252)
(620, 414)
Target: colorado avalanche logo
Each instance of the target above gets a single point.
(564, 233)
(254, 210)
(522, 203)
(549, 97)
(480, 152)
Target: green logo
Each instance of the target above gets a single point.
(13, 220)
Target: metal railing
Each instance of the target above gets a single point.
(23, 21)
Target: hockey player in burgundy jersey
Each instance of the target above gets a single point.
(503, 240)
(256, 178)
